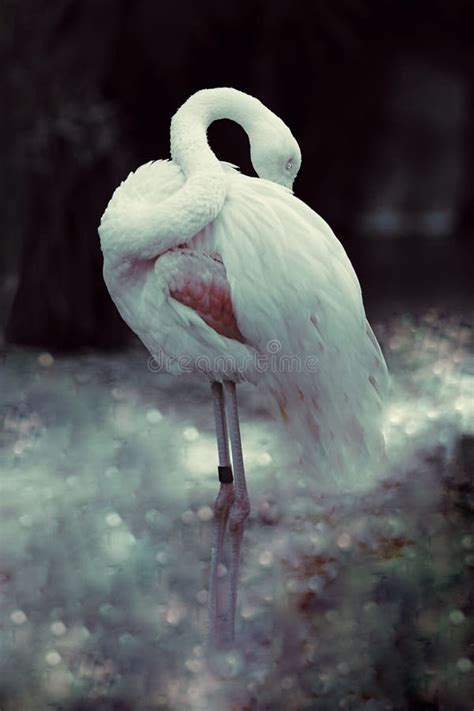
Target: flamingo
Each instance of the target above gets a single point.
(232, 279)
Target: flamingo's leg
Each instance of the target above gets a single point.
(222, 506)
(241, 505)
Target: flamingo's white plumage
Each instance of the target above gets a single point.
(234, 278)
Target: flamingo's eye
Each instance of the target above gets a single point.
(289, 165)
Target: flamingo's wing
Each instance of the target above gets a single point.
(297, 299)
(198, 280)
(177, 301)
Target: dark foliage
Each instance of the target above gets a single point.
(379, 96)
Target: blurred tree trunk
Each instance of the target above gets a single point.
(61, 301)
(466, 217)
(66, 147)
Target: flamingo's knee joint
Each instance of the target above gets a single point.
(224, 500)
(239, 513)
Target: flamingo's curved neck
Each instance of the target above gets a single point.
(189, 146)
(162, 226)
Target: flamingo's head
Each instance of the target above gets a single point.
(275, 154)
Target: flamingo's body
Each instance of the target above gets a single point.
(239, 290)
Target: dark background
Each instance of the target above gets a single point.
(380, 96)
